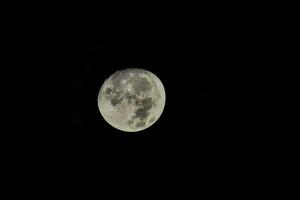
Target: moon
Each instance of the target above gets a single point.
(132, 99)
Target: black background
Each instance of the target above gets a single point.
(214, 136)
(203, 59)
(202, 131)
(201, 121)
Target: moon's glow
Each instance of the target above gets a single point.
(132, 99)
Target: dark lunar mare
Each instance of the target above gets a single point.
(114, 96)
(143, 111)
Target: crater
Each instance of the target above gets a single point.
(130, 97)
(115, 101)
(108, 91)
(118, 77)
(141, 113)
(141, 85)
(147, 103)
(138, 102)
(140, 124)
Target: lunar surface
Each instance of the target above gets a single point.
(131, 99)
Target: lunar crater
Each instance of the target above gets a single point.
(140, 124)
(141, 85)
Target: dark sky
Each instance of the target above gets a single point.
(202, 129)
(200, 113)
(205, 56)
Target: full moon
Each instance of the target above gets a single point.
(131, 99)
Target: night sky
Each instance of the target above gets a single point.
(206, 58)
(198, 113)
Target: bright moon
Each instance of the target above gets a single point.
(132, 99)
